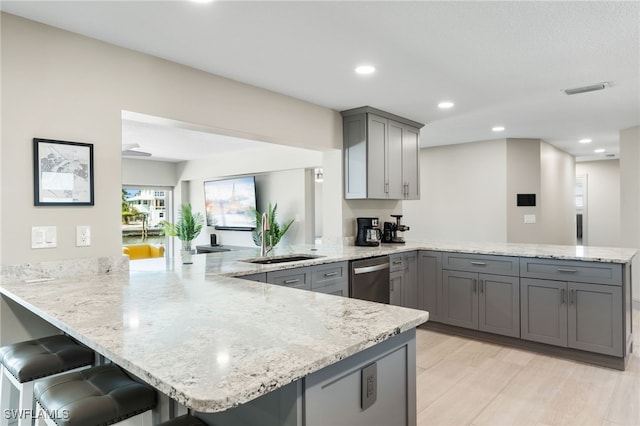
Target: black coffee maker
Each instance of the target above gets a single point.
(369, 233)
(390, 231)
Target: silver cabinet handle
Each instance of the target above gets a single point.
(475, 263)
(292, 281)
(330, 274)
(475, 281)
(373, 268)
(562, 299)
(386, 187)
(481, 286)
(397, 262)
(572, 296)
(569, 271)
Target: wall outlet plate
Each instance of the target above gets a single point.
(529, 218)
(43, 237)
(83, 236)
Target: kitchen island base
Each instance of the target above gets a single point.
(335, 394)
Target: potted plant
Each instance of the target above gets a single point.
(186, 228)
(275, 232)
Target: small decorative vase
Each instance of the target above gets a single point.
(185, 253)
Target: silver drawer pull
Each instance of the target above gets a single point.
(292, 281)
(397, 262)
(479, 263)
(330, 274)
(570, 271)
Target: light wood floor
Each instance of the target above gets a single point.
(467, 382)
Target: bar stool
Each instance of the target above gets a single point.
(23, 363)
(186, 420)
(102, 395)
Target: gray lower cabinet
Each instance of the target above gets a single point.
(430, 283)
(403, 279)
(331, 278)
(577, 315)
(259, 277)
(481, 301)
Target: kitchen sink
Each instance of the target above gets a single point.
(282, 259)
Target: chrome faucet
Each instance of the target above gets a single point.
(264, 248)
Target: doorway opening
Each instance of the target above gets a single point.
(143, 211)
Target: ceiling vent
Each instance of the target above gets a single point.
(585, 89)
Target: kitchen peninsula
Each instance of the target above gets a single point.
(262, 353)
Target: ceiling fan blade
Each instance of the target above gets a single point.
(128, 146)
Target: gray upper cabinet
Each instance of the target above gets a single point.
(381, 155)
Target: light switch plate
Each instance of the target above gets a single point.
(43, 237)
(529, 218)
(83, 236)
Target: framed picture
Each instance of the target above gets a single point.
(62, 173)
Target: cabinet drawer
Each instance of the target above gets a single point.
(500, 265)
(295, 278)
(396, 262)
(259, 277)
(569, 270)
(329, 274)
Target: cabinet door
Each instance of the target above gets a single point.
(595, 318)
(543, 311)
(499, 304)
(376, 157)
(393, 172)
(460, 299)
(410, 163)
(430, 283)
(410, 281)
(396, 287)
(355, 156)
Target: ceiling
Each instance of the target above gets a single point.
(502, 63)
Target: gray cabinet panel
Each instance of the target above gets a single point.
(355, 156)
(396, 288)
(337, 400)
(410, 296)
(595, 318)
(393, 172)
(566, 270)
(544, 311)
(259, 277)
(329, 274)
(499, 304)
(294, 278)
(487, 264)
(430, 283)
(460, 298)
(376, 157)
(410, 169)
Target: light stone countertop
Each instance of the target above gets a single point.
(211, 341)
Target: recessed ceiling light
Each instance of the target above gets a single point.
(599, 150)
(497, 128)
(445, 105)
(365, 69)
(584, 141)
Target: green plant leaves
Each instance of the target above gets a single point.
(276, 230)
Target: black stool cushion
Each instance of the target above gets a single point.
(34, 359)
(100, 395)
(185, 420)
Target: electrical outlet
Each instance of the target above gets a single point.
(83, 236)
(369, 386)
(43, 237)
(529, 218)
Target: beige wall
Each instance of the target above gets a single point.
(602, 222)
(557, 183)
(523, 177)
(64, 86)
(463, 194)
(630, 197)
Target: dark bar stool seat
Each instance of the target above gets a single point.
(186, 420)
(23, 363)
(102, 395)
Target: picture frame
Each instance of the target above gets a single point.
(62, 173)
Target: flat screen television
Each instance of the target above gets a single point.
(229, 203)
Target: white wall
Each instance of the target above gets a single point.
(148, 173)
(523, 177)
(602, 222)
(630, 198)
(462, 194)
(60, 85)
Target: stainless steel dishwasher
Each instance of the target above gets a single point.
(369, 279)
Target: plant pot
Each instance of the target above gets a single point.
(186, 256)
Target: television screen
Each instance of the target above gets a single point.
(229, 203)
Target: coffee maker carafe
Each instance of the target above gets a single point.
(369, 233)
